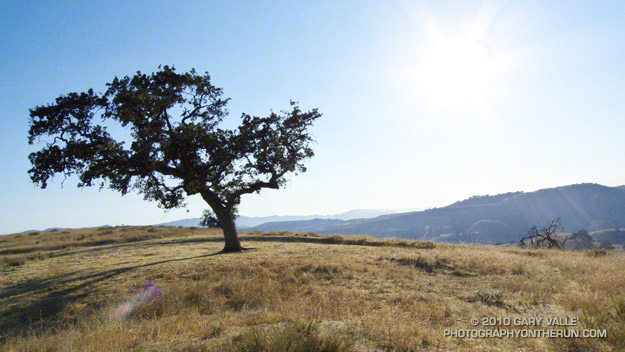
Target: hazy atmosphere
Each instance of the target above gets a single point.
(423, 103)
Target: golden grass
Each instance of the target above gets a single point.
(353, 293)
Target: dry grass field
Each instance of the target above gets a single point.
(64, 291)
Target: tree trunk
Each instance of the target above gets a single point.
(226, 221)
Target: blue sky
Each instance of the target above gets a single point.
(424, 103)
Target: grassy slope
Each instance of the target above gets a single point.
(58, 289)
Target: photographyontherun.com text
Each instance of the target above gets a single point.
(524, 327)
(524, 333)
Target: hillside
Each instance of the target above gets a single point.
(251, 221)
(613, 236)
(486, 219)
(88, 290)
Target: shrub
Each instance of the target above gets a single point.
(13, 261)
(597, 253)
(423, 263)
(302, 337)
(491, 298)
(606, 245)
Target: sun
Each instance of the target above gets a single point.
(456, 72)
(458, 63)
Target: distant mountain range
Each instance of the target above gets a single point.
(244, 222)
(485, 219)
(48, 229)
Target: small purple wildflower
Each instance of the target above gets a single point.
(150, 291)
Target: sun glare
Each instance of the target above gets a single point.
(456, 72)
(459, 63)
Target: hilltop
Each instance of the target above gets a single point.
(85, 289)
(502, 218)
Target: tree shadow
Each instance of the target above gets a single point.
(244, 238)
(41, 312)
(68, 278)
(137, 244)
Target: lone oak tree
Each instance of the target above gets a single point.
(177, 146)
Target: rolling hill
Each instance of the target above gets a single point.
(486, 219)
(612, 236)
(250, 221)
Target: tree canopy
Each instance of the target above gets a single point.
(178, 147)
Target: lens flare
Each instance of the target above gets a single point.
(148, 293)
